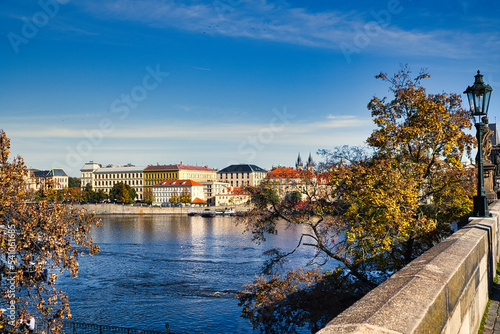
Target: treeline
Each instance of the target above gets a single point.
(120, 193)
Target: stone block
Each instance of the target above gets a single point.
(454, 321)
(455, 286)
(443, 291)
(465, 325)
(370, 304)
(355, 329)
(482, 292)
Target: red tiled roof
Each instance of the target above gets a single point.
(236, 191)
(198, 201)
(289, 173)
(177, 167)
(177, 183)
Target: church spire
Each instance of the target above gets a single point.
(298, 164)
(310, 163)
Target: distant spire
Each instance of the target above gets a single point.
(298, 164)
(310, 163)
(310, 160)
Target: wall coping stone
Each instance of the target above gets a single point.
(424, 296)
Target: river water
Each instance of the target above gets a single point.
(177, 269)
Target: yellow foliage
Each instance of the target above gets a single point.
(36, 236)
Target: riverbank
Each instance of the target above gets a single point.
(119, 209)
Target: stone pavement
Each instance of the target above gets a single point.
(492, 324)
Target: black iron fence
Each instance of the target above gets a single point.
(70, 327)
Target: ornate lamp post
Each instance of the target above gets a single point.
(479, 99)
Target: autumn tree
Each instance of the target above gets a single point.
(38, 241)
(174, 198)
(370, 212)
(88, 195)
(122, 193)
(185, 196)
(149, 197)
(422, 138)
(73, 194)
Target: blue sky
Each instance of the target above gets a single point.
(225, 81)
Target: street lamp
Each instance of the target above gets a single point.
(479, 99)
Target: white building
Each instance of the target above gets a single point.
(165, 190)
(87, 173)
(231, 196)
(212, 188)
(55, 178)
(104, 178)
(242, 175)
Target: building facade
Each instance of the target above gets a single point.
(242, 175)
(231, 196)
(87, 173)
(55, 178)
(302, 178)
(286, 180)
(164, 191)
(212, 188)
(104, 178)
(154, 174)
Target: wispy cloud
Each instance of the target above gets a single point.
(239, 142)
(188, 130)
(201, 68)
(283, 23)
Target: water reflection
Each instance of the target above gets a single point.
(176, 269)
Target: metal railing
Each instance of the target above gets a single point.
(70, 327)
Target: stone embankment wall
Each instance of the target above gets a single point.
(118, 209)
(443, 291)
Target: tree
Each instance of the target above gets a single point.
(74, 194)
(100, 196)
(343, 154)
(149, 198)
(295, 196)
(174, 198)
(185, 196)
(122, 193)
(422, 136)
(371, 212)
(88, 194)
(74, 182)
(36, 237)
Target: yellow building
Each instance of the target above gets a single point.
(156, 173)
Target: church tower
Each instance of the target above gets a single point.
(310, 164)
(298, 164)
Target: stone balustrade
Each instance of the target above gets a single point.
(445, 290)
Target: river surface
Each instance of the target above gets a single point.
(177, 269)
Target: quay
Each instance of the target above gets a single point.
(137, 209)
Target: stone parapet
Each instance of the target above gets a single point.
(137, 209)
(445, 290)
(118, 209)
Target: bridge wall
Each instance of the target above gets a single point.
(443, 291)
